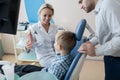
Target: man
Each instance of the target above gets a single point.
(107, 35)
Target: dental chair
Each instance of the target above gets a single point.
(76, 66)
(74, 71)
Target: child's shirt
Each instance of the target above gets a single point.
(60, 65)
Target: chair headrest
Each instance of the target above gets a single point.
(80, 29)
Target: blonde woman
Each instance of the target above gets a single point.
(42, 36)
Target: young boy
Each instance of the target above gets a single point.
(64, 43)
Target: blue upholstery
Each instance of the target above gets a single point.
(32, 7)
(79, 33)
(80, 29)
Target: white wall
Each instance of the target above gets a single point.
(7, 43)
(22, 12)
(67, 15)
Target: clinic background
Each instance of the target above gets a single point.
(67, 15)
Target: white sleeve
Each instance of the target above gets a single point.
(112, 18)
(94, 40)
(109, 48)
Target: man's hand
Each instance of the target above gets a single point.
(87, 48)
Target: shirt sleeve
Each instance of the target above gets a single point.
(94, 40)
(112, 18)
(111, 47)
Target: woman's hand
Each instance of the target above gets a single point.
(87, 48)
(30, 41)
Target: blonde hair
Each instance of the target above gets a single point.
(66, 40)
(46, 5)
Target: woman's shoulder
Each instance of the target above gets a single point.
(33, 27)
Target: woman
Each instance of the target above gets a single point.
(42, 36)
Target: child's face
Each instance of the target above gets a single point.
(56, 46)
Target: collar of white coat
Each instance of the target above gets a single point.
(98, 6)
(40, 25)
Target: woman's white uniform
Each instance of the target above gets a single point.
(44, 43)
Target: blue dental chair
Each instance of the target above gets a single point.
(74, 71)
(76, 66)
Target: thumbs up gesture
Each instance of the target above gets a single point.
(30, 41)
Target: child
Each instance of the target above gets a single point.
(64, 43)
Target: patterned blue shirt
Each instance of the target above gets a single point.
(60, 65)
